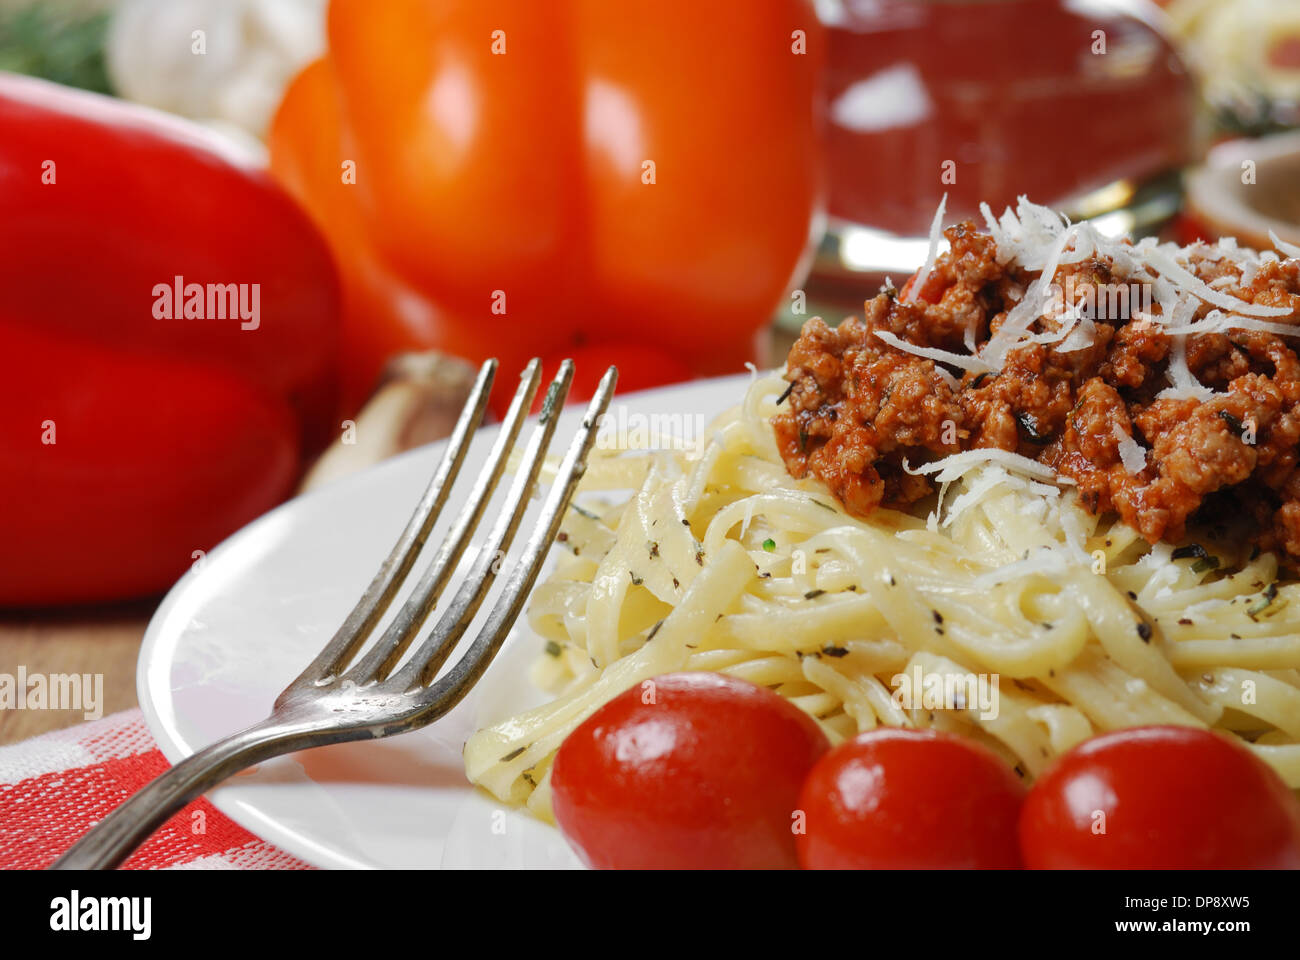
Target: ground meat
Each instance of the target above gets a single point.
(1022, 406)
(1136, 350)
(1196, 451)
(859, 408)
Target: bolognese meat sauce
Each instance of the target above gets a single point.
(1092, 409)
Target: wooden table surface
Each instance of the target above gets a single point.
(106, 640)
(100, 640)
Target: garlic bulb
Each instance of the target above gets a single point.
(225, 62)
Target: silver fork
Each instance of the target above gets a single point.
(330, 703)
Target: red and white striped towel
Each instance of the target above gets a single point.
(54, 787)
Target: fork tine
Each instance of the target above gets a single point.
(380, 659)
(308, 715)
(451, 626)
(451, 689)
(379, 594)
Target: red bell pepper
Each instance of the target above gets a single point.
(174, 420)
(120, 469)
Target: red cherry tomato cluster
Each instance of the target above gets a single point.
(699, 770)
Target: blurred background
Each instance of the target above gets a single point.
(1097, 107)
(415, 185)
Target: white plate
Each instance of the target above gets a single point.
(233, 633)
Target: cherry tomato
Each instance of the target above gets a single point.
(904, 799)
(1160, 798)
(689, 770)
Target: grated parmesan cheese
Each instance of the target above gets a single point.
(952, 467)
(948, 378)
(1216, 321)
(1131, 453)
(1164, 261)
(1015, 327)
(1290, 249)
(1084, 336)
(962, 360)
(936, 234)
(1184, 386)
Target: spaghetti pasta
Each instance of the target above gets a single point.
(719, 560)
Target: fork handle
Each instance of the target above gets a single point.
(114, 838)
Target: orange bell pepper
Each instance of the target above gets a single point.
(636, 183)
